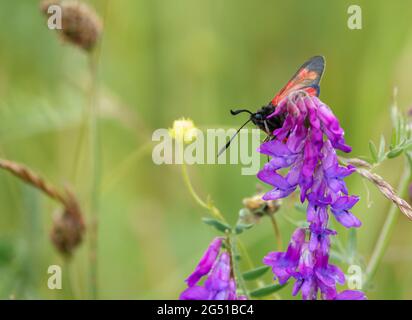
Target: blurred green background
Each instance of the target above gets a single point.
(161, 60)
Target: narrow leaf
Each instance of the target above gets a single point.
(409, 158)
(220, 226)
(381, 153)
(255, 273)
(373, 151)
(393, 140)
(6, 252)
(242, 227)
(394, 153)
(265, 291)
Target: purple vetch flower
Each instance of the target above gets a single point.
(305, 146)
(284, 263)
(219, 283)
(350, 295)
(206, 262)
(340, 209)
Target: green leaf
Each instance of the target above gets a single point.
(6, 252)
(373, 151)
(409, 158)
(394, 153)
(393, 139)
(402, 130)
(255, 273)
(240, 227)
(394, 113)
(381, 152)
(220, 226)
(265, 291)
(407, 144)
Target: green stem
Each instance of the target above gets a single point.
(249, 261)
(79, 144)
(240, 283)
(210, 207)
(95, 164)
(215, 212)
(113, 178)
(67, 279)
(387, 228)
(251, 265)
(95, 156)
(276, 231)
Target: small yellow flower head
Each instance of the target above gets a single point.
(183, 130)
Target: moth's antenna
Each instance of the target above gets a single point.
(231, 139)
(235, 112)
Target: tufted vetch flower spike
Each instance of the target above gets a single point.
(219, 283)
(305, 147)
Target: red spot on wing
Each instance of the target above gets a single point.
(307, 78)
(301, 81)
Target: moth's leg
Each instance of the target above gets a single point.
(267, 130)
(268, 138)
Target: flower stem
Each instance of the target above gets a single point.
(95, 155)
(115, 176)
(209, 206)
(387, 228)
(95, 181)
(240, 282)
(215, 212)
(67, 279)
(249, 261)
(276, 230)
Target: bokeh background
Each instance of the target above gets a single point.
(161, 60)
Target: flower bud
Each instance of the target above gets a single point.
(256, 203)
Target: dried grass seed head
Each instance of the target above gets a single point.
(68, 227)
(81, 25)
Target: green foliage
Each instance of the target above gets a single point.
(240, 227)
(6, 252)
(268, 290)
(255, 273)
(401, 139)
(218, 225)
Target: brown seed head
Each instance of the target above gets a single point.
(81, 25)
(68, 227)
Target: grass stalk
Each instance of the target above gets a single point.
(387, 228)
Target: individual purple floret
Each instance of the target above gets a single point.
(206, 262)
(305, 147)
(219, 283)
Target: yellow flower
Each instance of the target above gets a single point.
(183, 130)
